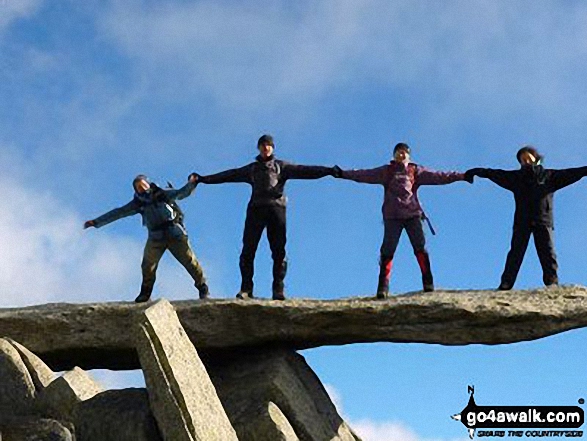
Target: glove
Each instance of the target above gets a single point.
(89, 224)
(336, 172)
(194, 177)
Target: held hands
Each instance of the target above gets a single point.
(336, 172)
(470, 174)
(194, 178)
(89, 224)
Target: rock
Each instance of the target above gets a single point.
(266, 423)
(60, 398)
(38, 370)
(96, 335)
(17, 391)
(283, 379)
(182, 396)
(116, 415)
(32, 429)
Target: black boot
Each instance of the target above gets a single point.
(144, 295)
(385, 264)
(279, 272)
(204, 291)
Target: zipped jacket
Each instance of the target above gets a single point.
(401, 182)
(267, 178)
(158, 215)
(533, 188)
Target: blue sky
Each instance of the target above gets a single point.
(94, 93)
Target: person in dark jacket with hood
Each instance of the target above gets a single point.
(533, 187)
(266, 209)
(163, 219)
(402, 210)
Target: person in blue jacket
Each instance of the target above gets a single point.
(164, 221)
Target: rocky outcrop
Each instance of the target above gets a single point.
(97, 335)
(35, 429)
(276, 392)
(61, 398)
(116, 415)
(17, 391)
(183, 398)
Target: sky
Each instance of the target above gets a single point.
(95, 93)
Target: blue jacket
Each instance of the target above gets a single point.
(158, 215)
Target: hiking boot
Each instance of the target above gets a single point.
(144, 296)
(382, 294)
(203, 291)
(243, 295)
(503, 286)
(428, 287)
(278, 295)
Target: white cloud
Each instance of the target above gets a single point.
(370, 430)
(11, 10)
(516, 56)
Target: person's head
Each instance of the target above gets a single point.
(528, 155)
(401, 152)
(266, 146)
(141, 184)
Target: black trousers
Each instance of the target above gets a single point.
(543, 240)
(258, 218)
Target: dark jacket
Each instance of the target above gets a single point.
(401, 182)
(268, 177)
(533, 188)
(158, 215)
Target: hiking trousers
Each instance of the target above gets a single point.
(180, 248)
(259, 218)
(544, 243)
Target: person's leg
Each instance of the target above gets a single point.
(392, 232)
(181, 249)
(154, 249)
(254, 225)
(520, 240)
(276, 234)
(415, 231)
(544, 242)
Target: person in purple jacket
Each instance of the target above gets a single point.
(401, 209)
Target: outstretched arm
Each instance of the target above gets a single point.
(366, 176)
(242, 174)
(504, 178)
(431, 177)
(292, 171)
(113, 215)
(181, 193)
(562, 178)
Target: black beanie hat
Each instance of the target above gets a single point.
(529, 149)
(265, 139)
(401, 146)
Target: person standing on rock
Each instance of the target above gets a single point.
(401, 180)
(164, 220)
(533, 187)
(266, 209)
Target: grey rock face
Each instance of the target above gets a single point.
(60, 398)
(38, 370)
(17, 391)
(116, 415)
(182, 396)
(96, 335)
(250, 387)
(30, 429)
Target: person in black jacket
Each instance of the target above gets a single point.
(266, 209)
(533, 187)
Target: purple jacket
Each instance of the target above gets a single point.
(401, 182)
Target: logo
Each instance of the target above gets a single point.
(547, 421)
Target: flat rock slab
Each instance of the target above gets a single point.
(97, 335)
